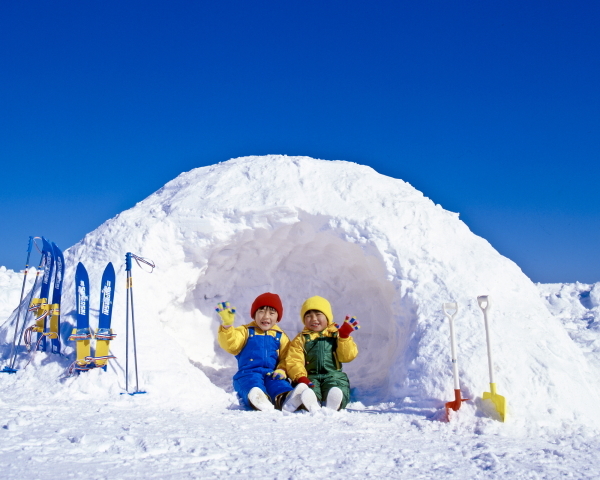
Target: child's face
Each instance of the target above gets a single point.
(265, 318)
(315, 320)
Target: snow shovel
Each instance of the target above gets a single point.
(456, 403)
(498, 401)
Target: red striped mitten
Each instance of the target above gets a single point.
(306, 381)
(348, 327)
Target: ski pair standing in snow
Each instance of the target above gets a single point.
(82, 333)
(315, 356)
(48, 305)
(258, 346)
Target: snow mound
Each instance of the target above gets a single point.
(373, 245)
(577, 306)
(11, 283)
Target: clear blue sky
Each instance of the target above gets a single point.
(491, 109)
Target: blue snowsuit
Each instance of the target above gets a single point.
(259, 356)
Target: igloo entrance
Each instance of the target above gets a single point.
(298, 261)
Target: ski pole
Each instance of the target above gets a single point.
(137, 383)
(40, 268)
(128, 270)
(129, 305)
(10, 369)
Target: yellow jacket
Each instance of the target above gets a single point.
(294, 360)
(233, 339)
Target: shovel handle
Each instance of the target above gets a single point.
(484, 304)
(448, 308)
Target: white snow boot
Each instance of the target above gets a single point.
(260, 401)
(334, 398)
(310, 401)
(294, 398)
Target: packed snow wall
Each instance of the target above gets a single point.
(373, 245)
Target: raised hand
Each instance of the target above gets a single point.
(226, 312)
(348, 327)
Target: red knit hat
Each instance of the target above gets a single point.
(267, 300)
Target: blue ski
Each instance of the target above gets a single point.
(41, 305)
(104, 333)
(82, 333)
(59, 262)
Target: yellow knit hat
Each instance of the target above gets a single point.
(317, 303)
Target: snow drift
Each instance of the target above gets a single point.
(373, 245)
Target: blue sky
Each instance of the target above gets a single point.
(490, 109)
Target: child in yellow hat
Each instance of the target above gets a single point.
(315, 356)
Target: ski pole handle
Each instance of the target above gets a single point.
(128, 263)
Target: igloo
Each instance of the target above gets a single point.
(373, 245)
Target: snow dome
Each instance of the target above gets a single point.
(372, 245)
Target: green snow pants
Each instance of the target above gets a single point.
(326, 381)
(323, 368)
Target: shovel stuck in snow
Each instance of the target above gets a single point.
(498, 401)
(450, 310)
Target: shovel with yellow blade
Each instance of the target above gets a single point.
(498, 401)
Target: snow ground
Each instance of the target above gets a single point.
(377, 249)
(127, 437)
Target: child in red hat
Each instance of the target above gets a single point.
(260, 381)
